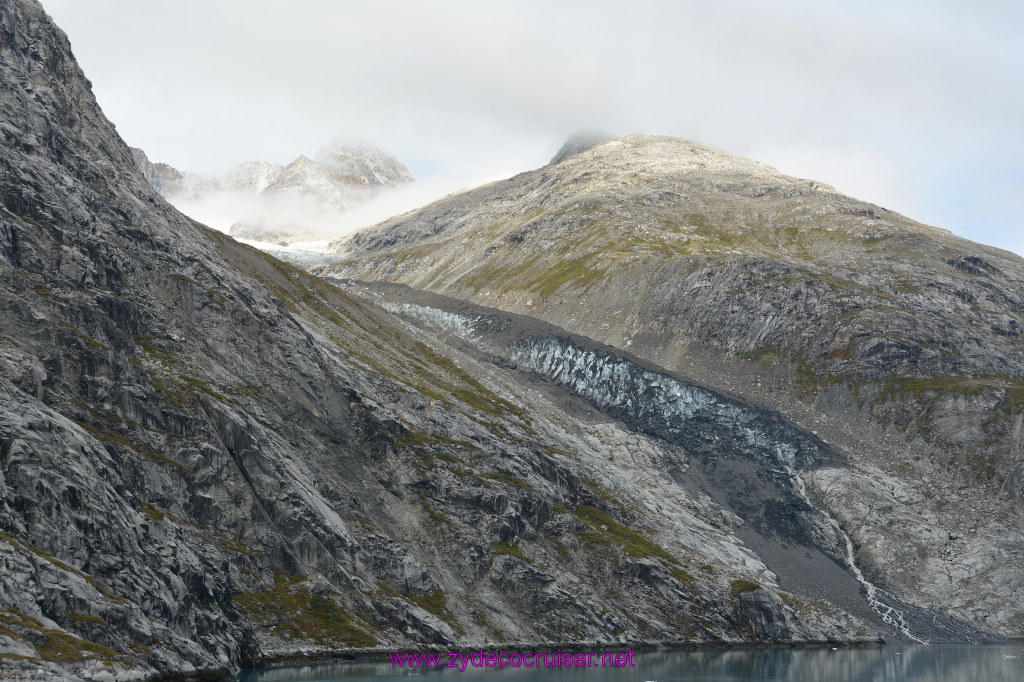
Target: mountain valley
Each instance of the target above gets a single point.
(650, 394)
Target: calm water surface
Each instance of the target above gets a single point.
(928, 663)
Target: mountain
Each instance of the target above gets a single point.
(896, 343)
(251, 176)
(283, 204)
(361, 164)
(342, 175)
(310, 193)
(210, 457)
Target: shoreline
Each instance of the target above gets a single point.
(381, 655)
(353, 655)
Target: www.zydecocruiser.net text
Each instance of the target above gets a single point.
(462, 661)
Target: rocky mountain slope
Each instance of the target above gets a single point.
(208, 456)
(283, 204)
(897, 343)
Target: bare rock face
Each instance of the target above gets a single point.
(208, 456)
(165, 178)
(897, 343)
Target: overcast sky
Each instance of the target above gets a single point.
(916, 106)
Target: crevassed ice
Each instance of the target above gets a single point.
(667, 405)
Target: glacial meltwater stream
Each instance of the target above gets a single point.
(918, 663)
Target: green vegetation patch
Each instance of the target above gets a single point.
(237, 546)
(430, 447)
(510, 550)
(152, 350)
(436, 603)
(153, 511)
(425, 439)
(56, 646)
(551, 451)
(94, 344)
(806, 381)
(438, 516)
(599, 490)
(106, 436)
(89, 618)
(183, 389)
(608, 530)
(26, 547)
(738, 587)
(982, 467)
(61, 647)
(681, 575)
(894, 388)
(467, 389)
(196, 384)
(927, 391)
(164, 459)
(120, 440)
(1013, 399)
(810, 605)
(579, 271)
(291, 611)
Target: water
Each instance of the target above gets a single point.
(925, 663)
